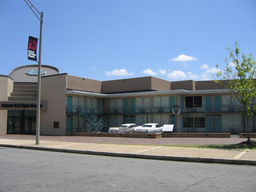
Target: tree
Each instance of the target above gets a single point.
(238, 78)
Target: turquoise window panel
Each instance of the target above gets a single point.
(69, 123)
(126, 119)
(69, 104)
(132, 119)
(208, 100)
(172, 102)
(99, 105)
(217, 103)
(218, 123)
(132, 105)
(125, 105)
(209, 123)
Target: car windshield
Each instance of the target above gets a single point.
(124, 126)
(147, 126)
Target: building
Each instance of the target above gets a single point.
(72, 104)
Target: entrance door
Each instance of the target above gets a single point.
(14, 125)
(218, 123)
(30, 125)
(21, 122)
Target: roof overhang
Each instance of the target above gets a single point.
(133, 94)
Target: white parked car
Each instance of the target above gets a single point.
(148, 128)
(127, 128)
(124, 128)
(153, 128)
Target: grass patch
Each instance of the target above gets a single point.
(243, 145)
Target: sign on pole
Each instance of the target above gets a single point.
(32, 45)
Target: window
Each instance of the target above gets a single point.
(193, 101)
(56, 124)
(200, 122)
(194, 122)
(197, 101)
(34, 72)
(189, 102)
(188, 122)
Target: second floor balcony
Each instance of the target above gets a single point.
(153, 109)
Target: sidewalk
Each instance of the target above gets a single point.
(240, 157)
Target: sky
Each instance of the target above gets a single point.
(118, 39)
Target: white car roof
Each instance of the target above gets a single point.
(129, 124)
(150, 124)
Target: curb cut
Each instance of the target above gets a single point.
(140, 156)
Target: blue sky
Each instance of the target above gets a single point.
(115, 39)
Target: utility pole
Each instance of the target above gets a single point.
(39, 16)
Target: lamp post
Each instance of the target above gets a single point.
(39, 16)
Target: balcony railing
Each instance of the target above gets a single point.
(153, 109)
(212, 108)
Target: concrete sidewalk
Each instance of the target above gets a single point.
(239, 157)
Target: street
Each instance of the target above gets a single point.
(32, 170)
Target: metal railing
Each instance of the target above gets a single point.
(154, 109)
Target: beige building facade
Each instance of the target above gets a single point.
(72, 104)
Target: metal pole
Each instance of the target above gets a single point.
(39, 83)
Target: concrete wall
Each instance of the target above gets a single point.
(6, 87)
(127, 85)
(160, 84)
(83, 84)
(206, 85)
(187, 85)
(54, 91)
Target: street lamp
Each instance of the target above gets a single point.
(40, 18)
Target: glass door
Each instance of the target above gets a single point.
(30, 125)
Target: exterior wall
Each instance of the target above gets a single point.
(160, 84)
(54, 91)
(207, 85)
(83, 84)
(127, 85)
(6, 87)
(187, 85)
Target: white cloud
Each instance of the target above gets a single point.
(232, 64)
(183, 58)
(182, 75)
(118, 72)
(211, 71)
(177, 75)
(149, 72)
(204, 66)
(192, 76)
(162, 72)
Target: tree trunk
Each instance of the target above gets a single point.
(248, 129)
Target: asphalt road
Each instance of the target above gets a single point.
(30, 170)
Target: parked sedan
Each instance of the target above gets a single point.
(127, 128)
(124, 128)
(148, 128)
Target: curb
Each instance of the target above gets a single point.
(140, 156)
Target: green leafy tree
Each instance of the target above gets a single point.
(238, 78)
